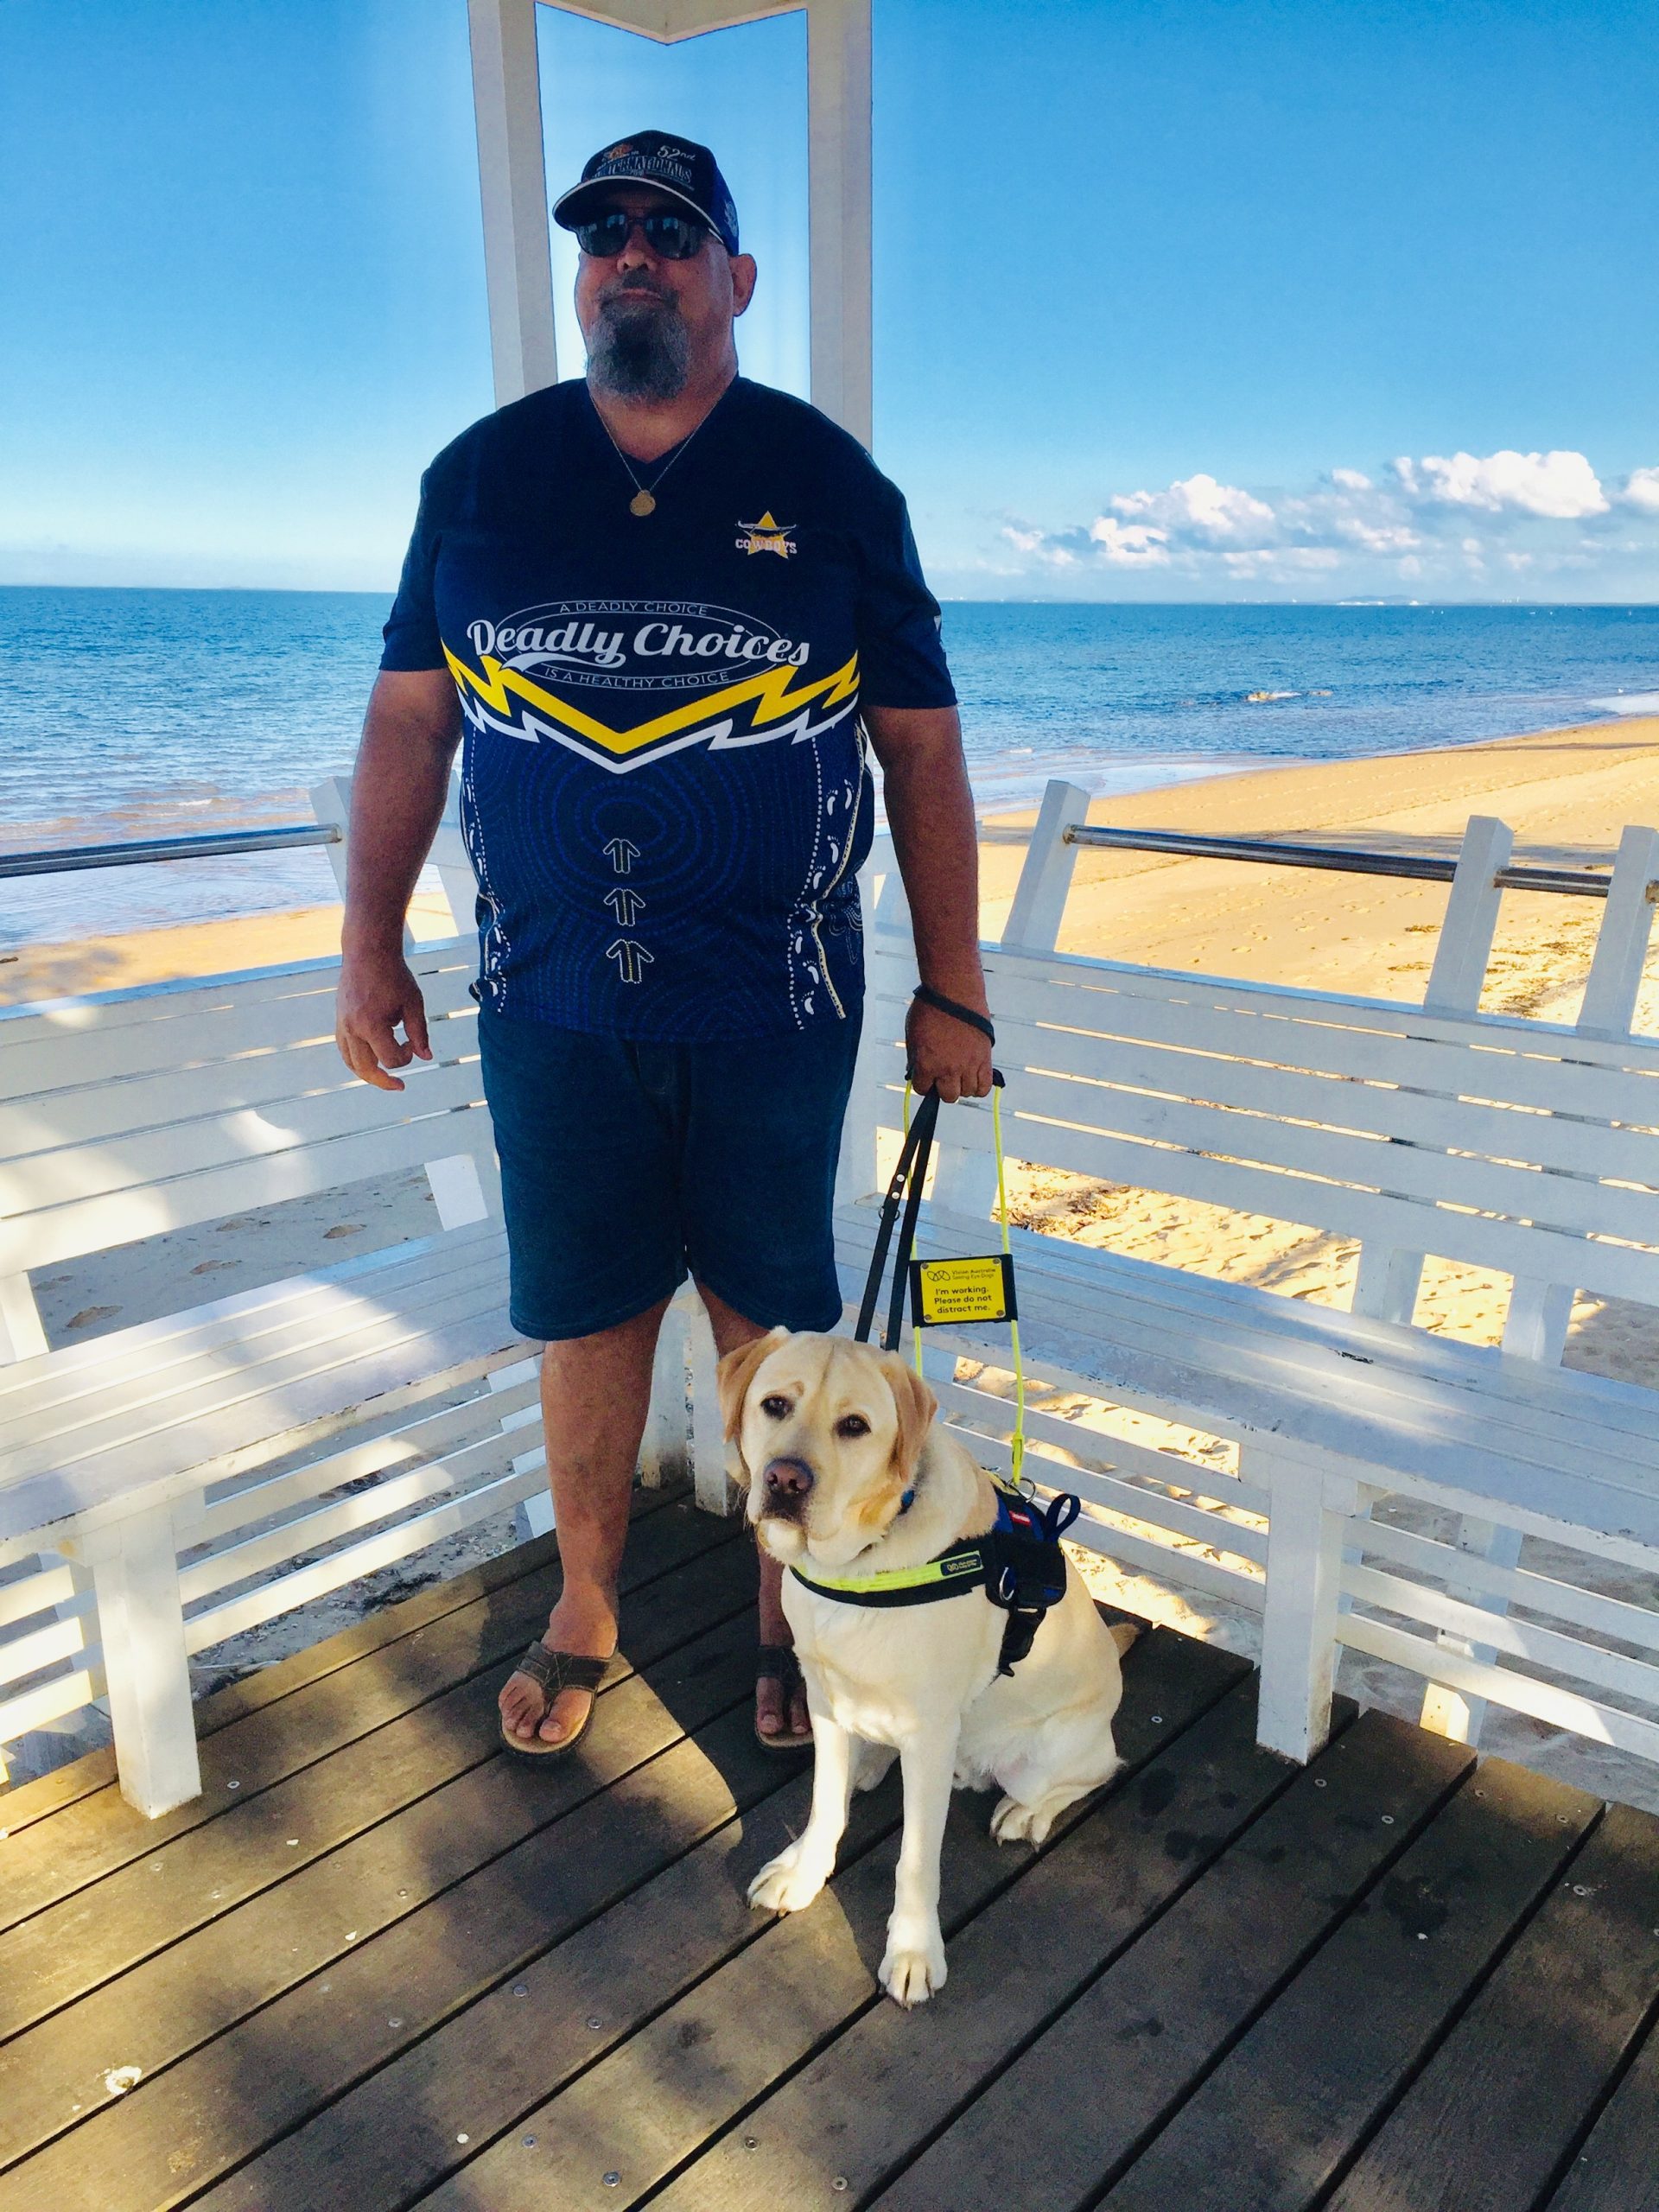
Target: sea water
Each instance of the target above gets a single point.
(137, 713)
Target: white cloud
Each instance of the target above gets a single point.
(1561, 487)
(1199, 506)
(1129, 545)
(1435, 522)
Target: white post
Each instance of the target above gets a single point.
(330, 802)
(22, 1333)
(135, 1572)
(838, 135)
(1308, 1516)
(1541, 1312)
(1034, 918)
(710, 1484)
(1386, 1284)
(664, 1450)
(512, 187)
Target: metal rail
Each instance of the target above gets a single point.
(1573, 883)
(65, 860)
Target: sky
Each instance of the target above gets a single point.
(1175, 299)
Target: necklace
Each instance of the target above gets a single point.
(644, 502)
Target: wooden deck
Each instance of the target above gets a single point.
(376, 1966)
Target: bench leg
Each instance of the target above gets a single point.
(710, 1477)
(135, 1574)
(22, 1336)
(1308, 1523)
(663, 1450)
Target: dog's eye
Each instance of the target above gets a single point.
(852, 1425)
(776, 1409)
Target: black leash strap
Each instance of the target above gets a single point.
(957, 1011)
(913, 1170)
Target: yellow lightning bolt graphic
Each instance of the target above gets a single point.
(770, 689)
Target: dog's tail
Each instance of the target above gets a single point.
(1125, 1633)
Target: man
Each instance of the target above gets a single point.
(667, 604)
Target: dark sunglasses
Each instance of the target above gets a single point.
(674, 238)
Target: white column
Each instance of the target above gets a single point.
(1386, 1284)
(512, 186)
(1308, 1517)
(1039, 908)
(838, 129)
(135, 1572)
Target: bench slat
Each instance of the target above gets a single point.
(97, 1224)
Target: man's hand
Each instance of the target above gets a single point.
(377, 994)
(946, 1054)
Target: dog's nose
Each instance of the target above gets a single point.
(789, 1478)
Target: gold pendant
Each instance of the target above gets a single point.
(642, 504)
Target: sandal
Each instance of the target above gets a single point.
(553, 1671)
(775, 1663)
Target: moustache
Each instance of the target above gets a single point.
(623, 292)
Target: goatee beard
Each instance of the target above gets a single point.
(639, 353)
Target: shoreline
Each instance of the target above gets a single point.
(1566, 792)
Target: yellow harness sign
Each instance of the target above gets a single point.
(943, 1291)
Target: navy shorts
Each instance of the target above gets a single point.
(626, 1166)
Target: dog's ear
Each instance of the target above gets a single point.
(737, 1370)
(915, 1405)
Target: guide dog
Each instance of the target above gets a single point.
(847, 1474)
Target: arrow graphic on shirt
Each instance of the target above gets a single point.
(626, 906)
(622, 853)
(632, 960)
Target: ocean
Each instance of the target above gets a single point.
(153, 713)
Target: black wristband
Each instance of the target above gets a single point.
(940, 1004)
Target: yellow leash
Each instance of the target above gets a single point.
(1017, 1441)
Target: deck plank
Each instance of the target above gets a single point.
(215, 2109)
(1053, 2127)
(51, 1862)
(859, 2105)
(1269, 2129)
(656, 2101)
(1616, 2170)
(395, 2135)
(472, 1805)
(1490, 2121)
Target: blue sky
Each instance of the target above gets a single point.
(1176, 299)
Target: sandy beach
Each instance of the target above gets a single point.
(1566, 795)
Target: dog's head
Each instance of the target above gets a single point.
(829, 1434)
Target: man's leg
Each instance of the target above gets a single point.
(731, 1329)
(596, 1391)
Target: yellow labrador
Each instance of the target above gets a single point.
(833, 1437)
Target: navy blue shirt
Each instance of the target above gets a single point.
(664, 787)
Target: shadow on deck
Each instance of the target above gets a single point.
(376, 1966)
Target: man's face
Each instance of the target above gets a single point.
(652, 325)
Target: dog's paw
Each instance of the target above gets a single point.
(785, 1884)
(871, 1765)
(912, 1971)
(1013, 1823)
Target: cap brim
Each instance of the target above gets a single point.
(567, 208)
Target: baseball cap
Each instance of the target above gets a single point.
(679, 167)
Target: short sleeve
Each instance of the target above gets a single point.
(900, 658)
(411, 631)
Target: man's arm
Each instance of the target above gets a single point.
(398, 788)
(931, 813)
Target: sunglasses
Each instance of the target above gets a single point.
(673, 238)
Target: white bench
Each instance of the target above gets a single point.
(1505, 1144)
